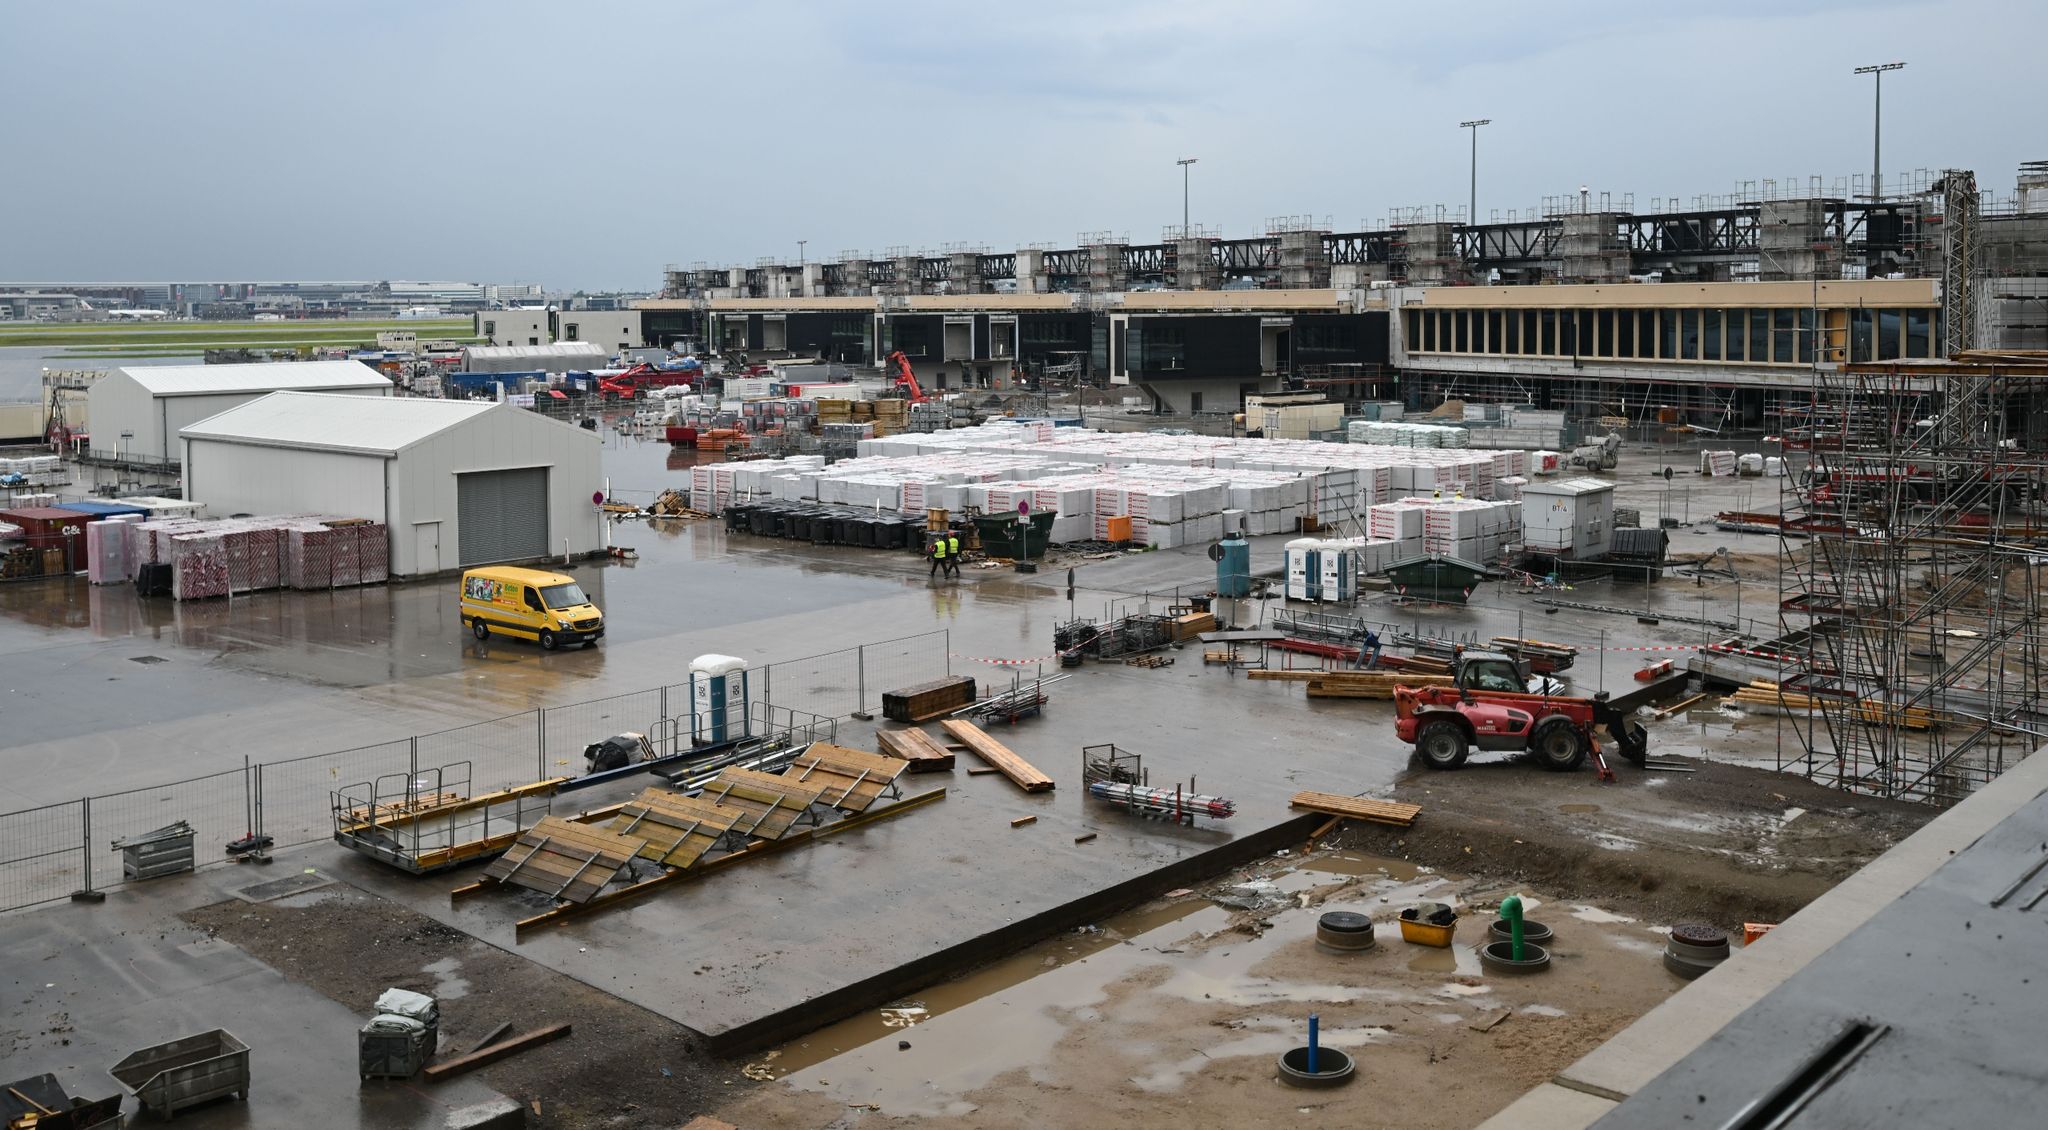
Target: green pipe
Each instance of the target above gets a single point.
(1511, 909)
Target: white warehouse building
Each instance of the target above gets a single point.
(138, 410)
(458, 482)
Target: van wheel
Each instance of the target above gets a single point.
(548, 641)
(479, 629)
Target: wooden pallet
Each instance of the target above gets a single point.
(977, 742)
(1358, 808)
(850, 780)
(928, 701)
(916, 747)
(676, 830)
(564, 860)
(772, 803)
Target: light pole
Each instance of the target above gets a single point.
(800, 263)
(1877, 71)
(1473, 125)
(1184, 162)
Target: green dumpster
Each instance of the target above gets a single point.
(1002, 535)
(1435, 576)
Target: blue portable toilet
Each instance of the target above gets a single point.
(718, 699)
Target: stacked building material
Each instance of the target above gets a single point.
(1719, 464)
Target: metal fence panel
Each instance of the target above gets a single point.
(41, 853)
(218, 806)
(895, 664)
(827, 684)
(569, 728)
(499, 751)
(297, 794)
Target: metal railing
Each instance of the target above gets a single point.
(64, 849)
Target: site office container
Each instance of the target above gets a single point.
(46, 526)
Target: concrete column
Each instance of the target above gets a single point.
(907, 281)
(1304, 264)
(1433, 256)
(1590, 249)
(1194, 264)
(853, 277)
(1792, 243)
(1031, 276)
(963, 273)
(1106, 267)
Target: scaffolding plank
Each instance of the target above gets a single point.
(917, 749)
(1020, 772)
(564, 859)
(772, 803)
(1358, 808)
(676, 830)
(848, 779)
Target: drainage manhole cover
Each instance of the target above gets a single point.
(1699, 934)
(147, 659)
(278, 888)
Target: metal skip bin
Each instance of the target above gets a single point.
(188, 1071)
(166, 851)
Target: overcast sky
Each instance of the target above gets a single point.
(588, 144)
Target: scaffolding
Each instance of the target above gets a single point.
(1919, 591)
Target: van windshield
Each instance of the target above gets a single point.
(564, 596)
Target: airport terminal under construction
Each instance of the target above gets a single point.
(1534, 672)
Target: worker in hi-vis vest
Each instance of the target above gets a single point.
(953, 552)
(938, 555)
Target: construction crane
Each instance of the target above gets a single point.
(905, 379)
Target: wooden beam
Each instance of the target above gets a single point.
(491, 1037)
(1021, 773)
(1358, 808)
(916, 747)
(495, 1052)
(1020, 821)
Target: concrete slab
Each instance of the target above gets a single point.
(90, 984)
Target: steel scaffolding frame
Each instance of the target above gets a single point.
(1918, 576)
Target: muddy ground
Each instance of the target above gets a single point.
(621, 1067)
(1725, 843)
(1179, 1020)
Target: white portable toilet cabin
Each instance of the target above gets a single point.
(718, 699)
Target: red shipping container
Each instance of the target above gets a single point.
(49, 525)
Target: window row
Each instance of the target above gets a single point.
(1755, 336)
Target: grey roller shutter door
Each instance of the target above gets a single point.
(502, 515)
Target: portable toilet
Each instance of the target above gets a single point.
(1303, 574)
(718, 699)
(1336, 571)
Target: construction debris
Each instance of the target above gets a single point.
(490, 1054)
(1020, 821)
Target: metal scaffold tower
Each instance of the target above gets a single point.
(1911, 572)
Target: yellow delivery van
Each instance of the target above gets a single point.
(529, 604)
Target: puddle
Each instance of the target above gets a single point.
(1455, 990)
(1348, 863)
(1459, 961)
(1147, 929)
(1635, 945)
(1597, 915)
(1543, 1010)
(447, 986)
(1578, 808)
(1284, 1034)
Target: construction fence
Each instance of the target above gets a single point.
(59, 850)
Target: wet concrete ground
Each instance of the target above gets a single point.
(288, 673)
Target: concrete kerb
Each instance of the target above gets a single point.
(892, 984)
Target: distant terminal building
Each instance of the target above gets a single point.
(1722, 306)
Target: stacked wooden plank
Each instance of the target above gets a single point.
(771, 803)
(1358, 808)
(1020, 772)
(1767, 696)
(916, 748)
(1193, 624)
(1369, 684)
(674, 830)
(851, 780)
(564, 860)
(927, 701)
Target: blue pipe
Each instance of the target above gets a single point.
(1312, 1023)
(1511, 909)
